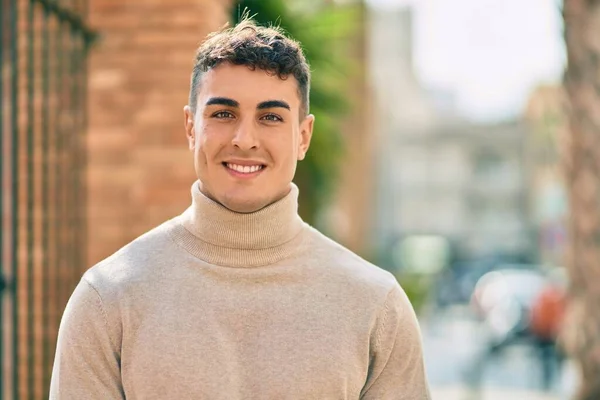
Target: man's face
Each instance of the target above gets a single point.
(247, 136)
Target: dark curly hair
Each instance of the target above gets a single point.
(266, 48)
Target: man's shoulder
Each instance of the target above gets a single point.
(341, 262)
(133, 262)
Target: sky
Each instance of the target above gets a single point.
(490, 53)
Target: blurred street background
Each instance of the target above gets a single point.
(455, 145)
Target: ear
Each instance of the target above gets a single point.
(306, 130)
(190, 132)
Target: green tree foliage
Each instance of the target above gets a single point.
(324, 32)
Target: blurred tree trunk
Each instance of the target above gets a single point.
(582, 168)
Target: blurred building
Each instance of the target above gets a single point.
(437, 173)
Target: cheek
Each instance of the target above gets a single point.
(201, 149)
(208, 145)
(285, 151)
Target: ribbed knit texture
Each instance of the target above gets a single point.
(219, 236)
(220, 305)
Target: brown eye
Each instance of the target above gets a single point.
(223, 115)
(272, 118)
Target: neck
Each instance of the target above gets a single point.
(207, 194)
(224, 237)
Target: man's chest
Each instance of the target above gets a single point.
(232, 350)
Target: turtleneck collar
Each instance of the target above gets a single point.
(220, 236)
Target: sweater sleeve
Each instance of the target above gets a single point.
(397, 369)
(87, 361)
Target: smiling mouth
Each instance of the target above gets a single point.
(244, 169)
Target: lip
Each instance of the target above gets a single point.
(245, 162)
(241, 175)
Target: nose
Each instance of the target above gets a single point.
(245, 137)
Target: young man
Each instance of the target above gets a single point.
(238, 298)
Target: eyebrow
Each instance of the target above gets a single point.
(273, 104)
(223, 101)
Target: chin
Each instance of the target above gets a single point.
(245, 206)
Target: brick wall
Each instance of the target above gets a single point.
(140, 169)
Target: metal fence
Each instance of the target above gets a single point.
(43, 56)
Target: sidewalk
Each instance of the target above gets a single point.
(461, 393)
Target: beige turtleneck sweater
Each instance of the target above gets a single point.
(219, 305)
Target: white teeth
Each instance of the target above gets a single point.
(245, 169)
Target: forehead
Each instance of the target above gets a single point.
(246, 86)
